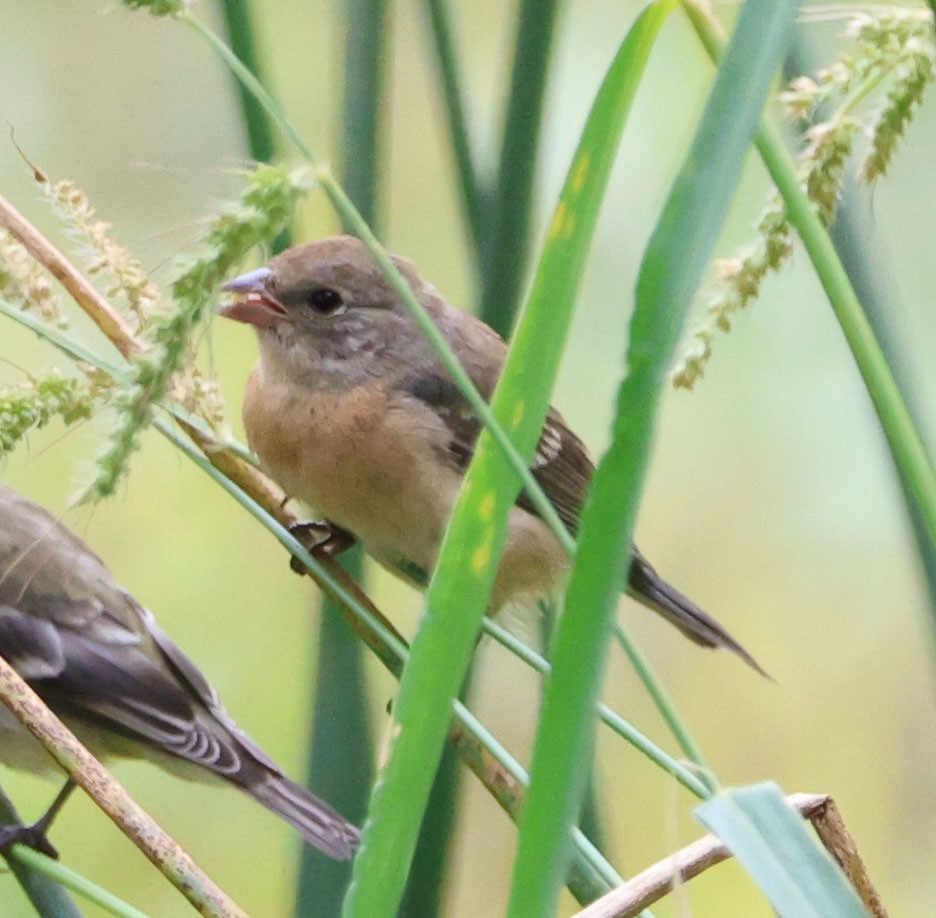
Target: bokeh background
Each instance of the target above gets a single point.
(771, 497)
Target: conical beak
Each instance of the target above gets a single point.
(251, 282)
(255, 305)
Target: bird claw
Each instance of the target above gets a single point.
(33, 836)
(319, 536)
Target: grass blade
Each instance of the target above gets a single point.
(471, 184)
(505, 256)
(340, 755)
(260, 141)
(769, 838)
(671, 270)
(237, 21)
(855, 236)
(458, 593)
(366, 30)
(58, 872)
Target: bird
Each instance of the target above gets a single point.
(351, 411)
(98, 659)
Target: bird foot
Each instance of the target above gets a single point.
(33, 836)
(320, 536)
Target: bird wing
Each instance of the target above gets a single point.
(93, 653)
(561, 463)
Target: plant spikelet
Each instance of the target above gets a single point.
(893, 46)
(33, 403)
(266, 205)
(23, 281)
(126, 283)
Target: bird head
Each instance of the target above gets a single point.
(326, 313)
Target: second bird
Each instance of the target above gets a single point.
(100, 661)
(352, 412)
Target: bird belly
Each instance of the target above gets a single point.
(375, 470)
(19, 749)
(355, 460)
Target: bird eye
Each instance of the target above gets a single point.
(325, 301)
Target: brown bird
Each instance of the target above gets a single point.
(351, 411)
(98, 659)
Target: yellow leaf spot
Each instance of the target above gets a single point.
(518, 413)
(481, 558)
(557, 228)
(578, 179)
(486, 508)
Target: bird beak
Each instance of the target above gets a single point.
(254, 303)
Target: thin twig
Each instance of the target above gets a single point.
(656, 881)
(110, 796)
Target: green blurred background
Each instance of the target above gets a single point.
(771, 498)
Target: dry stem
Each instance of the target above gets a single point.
(656, 881)
(85, 295)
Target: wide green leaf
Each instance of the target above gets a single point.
(672, 267)
(473, 544)
(769, 838)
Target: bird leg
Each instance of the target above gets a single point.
(320, 536)
(35, 835)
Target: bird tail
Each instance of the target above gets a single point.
(321, 826)
(646, 585)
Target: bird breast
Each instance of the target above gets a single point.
(359, 460)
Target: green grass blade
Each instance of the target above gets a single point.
(667, 708)
(237, 21)
(853, 237)
(471, 184)
(366, 31)
(671, 270)
(45, 880)
(250, 82)
(78, 884)
(340, 755)
(613, 721)
(799, 878)
(468, 561)
(429, 877)
(505, 255)
(590, 874)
